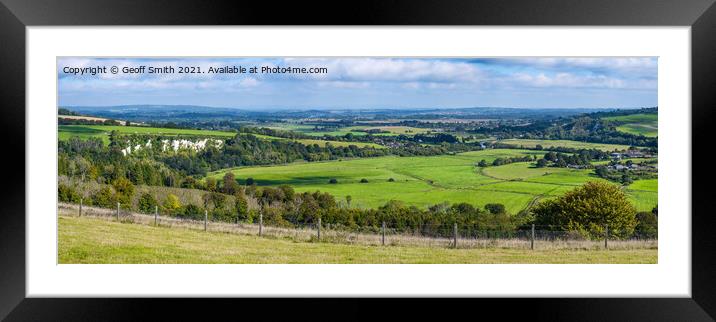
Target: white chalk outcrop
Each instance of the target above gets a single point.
(176, 144)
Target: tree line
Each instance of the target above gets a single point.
(585, 210)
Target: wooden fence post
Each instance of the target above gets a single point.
(606, 236)
(118, 211)
(206, 217)
(454, 232)
(261, 222)
(319, 228)
(532, 238)
(80, 207)
(156, 214)
(383, 237)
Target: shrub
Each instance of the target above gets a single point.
(364, 180)
(172, 205)
(147, 202)
(67, 194)
(193, 211)
(104, 198)
(541, 163)
(333, 181)
(495, 208)
(124, 190)
(391, 180)
(242, 207)
(646, 225)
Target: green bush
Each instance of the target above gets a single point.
(192, 211)
(646, 225)
(242, 208)
(124, 191)
(147, 202)
(67, 194)
(172, 205)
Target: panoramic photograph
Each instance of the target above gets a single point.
(357, 160)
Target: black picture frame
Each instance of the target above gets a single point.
(15, 15)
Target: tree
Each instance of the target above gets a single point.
(588, 209)
(193, 211)
(626, 179)
(210, 184)
(541, 163)
(333, 181)
(364, 180)
(230, 186)
(67, 194)
(105, 198)
(601, 171)
(482, 164)
(348, 200)
(495, 208)
(646, 225)
(172, 204)
(242, 207)
(124, 190)
(146, 203)
(250, 181)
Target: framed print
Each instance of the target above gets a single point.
(388, 152)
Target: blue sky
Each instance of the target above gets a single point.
(371, 83)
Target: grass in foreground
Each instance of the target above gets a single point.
(96, 241)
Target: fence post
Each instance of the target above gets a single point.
(454, 231)
(383, 237)
(206, 217)
(80, 207)
(606, 236)
(118, 211)
(261, 222)
(532, 238)
(156, 214)
(319, 228)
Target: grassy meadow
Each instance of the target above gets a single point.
(638, 124)
(357, 130)
(65, 132)
(529, 143)
(423, 181)
(320, 142)
(97, 241)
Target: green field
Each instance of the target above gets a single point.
(424, 181)
(65, 132)
(320, 142)
(644, 194)
(355, 130)
(527, 143)
(95, 241)
(638, 124)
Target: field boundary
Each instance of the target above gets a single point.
(311, 233)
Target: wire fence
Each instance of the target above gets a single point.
(530, 237)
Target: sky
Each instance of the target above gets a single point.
(364, 82)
